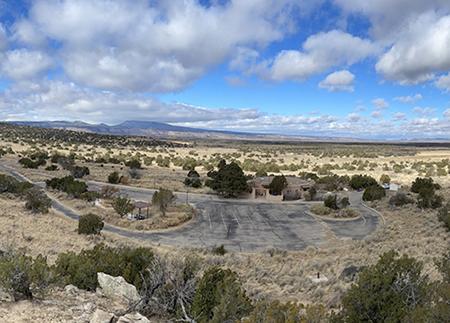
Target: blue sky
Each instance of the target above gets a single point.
(377, 69)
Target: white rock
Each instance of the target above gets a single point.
(113, 287)
(72, 290)
(133, 318)
(101, 317)
(318, 280)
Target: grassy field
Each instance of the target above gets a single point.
(273, 274)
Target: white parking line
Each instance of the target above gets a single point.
(223, 221)
(234, 215)
(210, 223)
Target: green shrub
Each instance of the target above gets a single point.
(28, 163)
(358, 182)
(385, 179)
(81, 269)
(21, 275)
(90, 224)
(68, 185)
(229, 180)
(114, 178)
(278, 184)
(90, 196)
(51, 168)
(389, 291)
(333, 182)
(193, 179)
(219, 297)
(79, 171)
(424, 184)
(122, 205)
(426, 188)
(134, 163)
(306, 176)
(331, 201)
(344, 202)
(9, 184)
(37, 201)
(373, 193)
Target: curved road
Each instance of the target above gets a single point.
(241, 225)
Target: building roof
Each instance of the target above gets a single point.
(141, 205)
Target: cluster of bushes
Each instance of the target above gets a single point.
(193, 179)
(114, 178)
(36, 200)
(278, 184)
(373, 193)
(29, 163)
(79, 171)
(22, 276)
(81, 269)
(51, 168)
(68, 185)
(332, 202)
(90, 224)
(333, 182)
(426, 190)
(66, 162)
(395, 289)
(9, 184)
(253, 165)
(229, 180)
(359, 182)
(122, 205)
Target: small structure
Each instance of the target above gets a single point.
(294, 190)
(391, 186)
(141, 205)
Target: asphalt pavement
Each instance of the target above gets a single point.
(240, 225)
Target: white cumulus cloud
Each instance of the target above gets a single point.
(22, 64)
(338, 81)
(319, 53)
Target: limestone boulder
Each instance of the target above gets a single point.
(117, 287)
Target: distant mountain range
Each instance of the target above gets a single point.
(132, 128)
(164, 130)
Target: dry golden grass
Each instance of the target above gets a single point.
(172, 177)
(274, 274)
(269, 275)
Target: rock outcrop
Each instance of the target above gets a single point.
(101, 316)
(117, 287)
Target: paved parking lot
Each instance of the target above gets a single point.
(255, 225)
(244, 225)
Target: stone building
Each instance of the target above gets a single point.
(294, 190)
